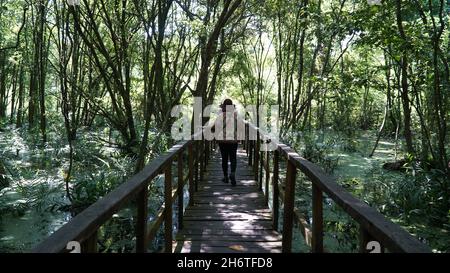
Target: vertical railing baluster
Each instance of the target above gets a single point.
(267, 171)
(256, 158)
(246, 139)
(191, 173)
(250, 153)
(317, 225)
(180, 190)
(202, 162)
(90, 244)
(288, 215)
(260, 169)
(197, 159)
(168, 208)
(364, 239)
(275, 191)
(206, 153)
(141, 223)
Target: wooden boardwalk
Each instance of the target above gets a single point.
(222, 218)
(228, 219)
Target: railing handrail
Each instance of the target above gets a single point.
(89, 220)
(389, 234)
(84, 226)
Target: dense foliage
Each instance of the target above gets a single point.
(86, 93)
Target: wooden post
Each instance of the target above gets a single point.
(256, 157)
(250, 153)
(317, 225)
(288, 215)
(267, 171)
(364, 239)
(90, 244)
(206, 153)
(141, 223)
(246, 139)
(209, 143)
(275, 191)
(196, 164)
(191, 174)
(180, 190)
(168, 208)
(261, 167)
(202, 156)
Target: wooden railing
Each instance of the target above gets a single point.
(83, 228)
(373, 225)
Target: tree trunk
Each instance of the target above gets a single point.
(19, 118)
(404, 83)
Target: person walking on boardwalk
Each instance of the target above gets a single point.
(228, 141)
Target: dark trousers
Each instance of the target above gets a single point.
(228, 151)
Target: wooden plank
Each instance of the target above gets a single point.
(256, 224)
(200, 213)
(231, 238)
(216, 181)
(213, 211)
(239, 184)
(219, 190)
(228, 232)
(218, 175)
(215, 163)
(229, 195)
(168, 208)
(230, 206)
(225, 210)
(226, 198)
(197, 246)
(228, 217)
(187, 248)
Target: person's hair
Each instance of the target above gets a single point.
(225, 103)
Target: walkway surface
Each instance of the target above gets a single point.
(228, 219)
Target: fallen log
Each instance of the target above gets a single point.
(398, 165)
